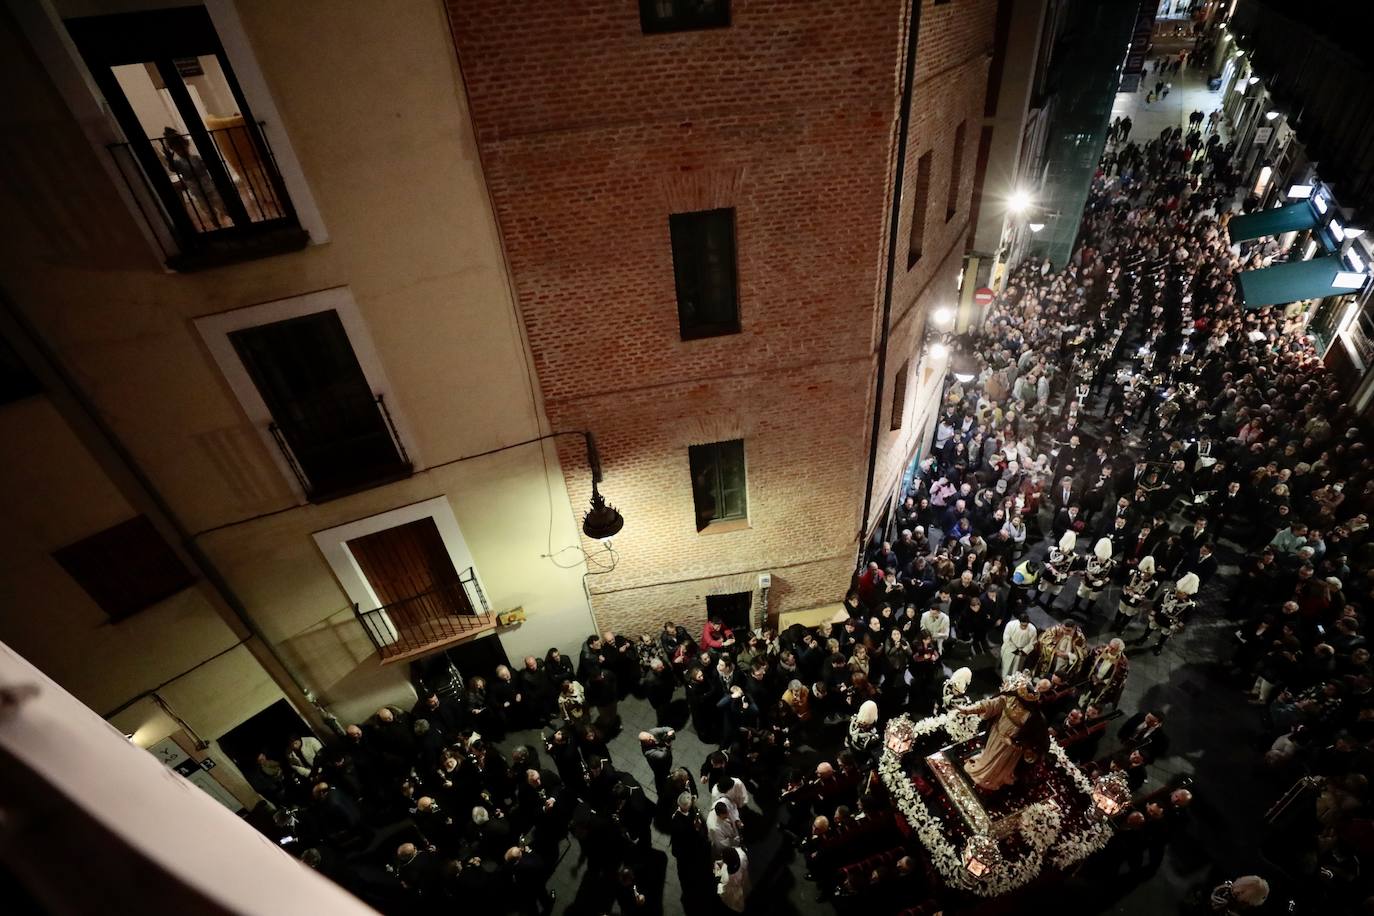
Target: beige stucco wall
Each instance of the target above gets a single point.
(371, 100)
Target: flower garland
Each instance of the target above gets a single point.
(1077, 846)
(1040, 823)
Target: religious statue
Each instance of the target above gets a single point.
(1063, 647)
(1019, 734)
(1107, 669)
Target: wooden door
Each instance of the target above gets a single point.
(410, 572)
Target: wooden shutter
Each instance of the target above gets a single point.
(410, 564)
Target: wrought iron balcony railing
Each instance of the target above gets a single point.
(430, 621)
(210, 206)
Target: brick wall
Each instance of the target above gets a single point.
(592, 134)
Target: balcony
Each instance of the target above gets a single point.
(342, 448)
(438, 619)
(211, 198)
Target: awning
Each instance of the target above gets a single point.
(1295, 281)
(1275, 221)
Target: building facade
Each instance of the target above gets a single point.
(1297, 110)
(1011, 144)
(695, 200)
(257, 324)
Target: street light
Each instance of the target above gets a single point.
(1270, 115)
(1019, 202)
(938, 350)
(1035, 227)
(943, 316)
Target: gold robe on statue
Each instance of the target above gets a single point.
(995, 766)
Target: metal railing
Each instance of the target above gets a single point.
(342, 460)
(431, 619)
(230, 203)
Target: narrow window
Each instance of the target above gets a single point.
(125, 568)
(899, 395)
(718, 481)
(334, 430)
(956, 172)
(920, 200)
(657, 16)
(704, 271)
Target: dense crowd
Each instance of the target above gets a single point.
(1129, 426)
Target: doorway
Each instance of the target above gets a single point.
(733, 610)
(266, 732)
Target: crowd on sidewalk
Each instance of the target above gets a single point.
(1129, 416)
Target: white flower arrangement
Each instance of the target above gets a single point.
(1040, 823)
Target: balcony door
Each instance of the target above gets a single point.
(322, 406)
(410, 571)
(169, 85)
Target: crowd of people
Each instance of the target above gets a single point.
(1129, 427)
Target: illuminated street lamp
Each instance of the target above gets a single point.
(938, 350)
(943, 316)
(1019, 202)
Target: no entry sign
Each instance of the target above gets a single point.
(982, 296)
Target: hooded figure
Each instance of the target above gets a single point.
(1058, 565)
(1097, 572)
(1136, 593)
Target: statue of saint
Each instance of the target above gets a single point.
(1019, 735)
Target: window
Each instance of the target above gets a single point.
(16, 381)
(682, 15)
(920, 200)
(718, 482)
(335, 433)
(195, 157)
(899, 395)
(956, 172)
(704, 270)
(125, 568)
